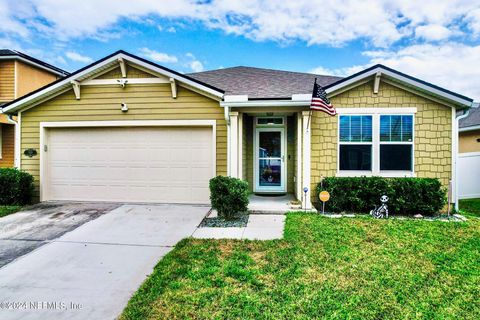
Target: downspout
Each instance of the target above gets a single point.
(457, 119)
(10, 120)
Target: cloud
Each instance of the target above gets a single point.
(10, 23)
(158, 56)
(194, 64)
(454, 65)
(433, 32)
(378, 22)
(75, 56)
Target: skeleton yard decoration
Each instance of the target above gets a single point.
(382, 211)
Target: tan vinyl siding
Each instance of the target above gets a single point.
(469, 141)
(7, 80)
(30, 78)
(145, 102)
(8, 145)
(433, 131)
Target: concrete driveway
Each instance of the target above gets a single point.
(37, 225)
(92, 271)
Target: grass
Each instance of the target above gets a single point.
(470, 206)
(357, 268)
(6, 210)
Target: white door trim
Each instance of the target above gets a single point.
(283, 187)
(44, 126)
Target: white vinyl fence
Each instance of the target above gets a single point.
(469, 175)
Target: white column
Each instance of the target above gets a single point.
(299, 182)
(306, 203)
(240, 146)
(233, 136)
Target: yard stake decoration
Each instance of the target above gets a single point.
(324, 196)
(382, 211)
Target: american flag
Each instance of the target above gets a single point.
(320, 101)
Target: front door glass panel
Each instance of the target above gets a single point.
(270, 158)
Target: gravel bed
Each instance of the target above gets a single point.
(239, 222)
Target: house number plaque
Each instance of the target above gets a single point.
(30, 153)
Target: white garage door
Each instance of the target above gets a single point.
(131, 164)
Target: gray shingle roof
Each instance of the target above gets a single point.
(260, 83)
(473, 118)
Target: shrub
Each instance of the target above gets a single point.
(407, 196)
(229, 196)
(16, 187)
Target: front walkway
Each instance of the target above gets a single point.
(92, 271)
(259, 227)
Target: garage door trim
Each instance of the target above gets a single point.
(44, 126)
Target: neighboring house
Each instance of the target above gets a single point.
(469, 156)
(127, 129)
(469, 131)
(19, 75)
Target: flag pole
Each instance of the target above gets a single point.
(310, 114)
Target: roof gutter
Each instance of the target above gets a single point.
(267, 103)
(466, 129)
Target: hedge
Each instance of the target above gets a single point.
(407, 196)
(16, 187)
(229, 196)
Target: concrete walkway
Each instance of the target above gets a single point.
(268, 204)
(259, 227)
(92, 271)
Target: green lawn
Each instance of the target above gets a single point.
(6, 210)
(470, 206)
(357, 268)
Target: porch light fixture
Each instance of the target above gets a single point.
(124, 107)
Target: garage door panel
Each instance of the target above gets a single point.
(151, 164)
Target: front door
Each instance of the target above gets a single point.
(270, 160)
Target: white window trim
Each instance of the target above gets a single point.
(375, 113)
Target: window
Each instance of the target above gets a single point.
(396, 142)
(270, 121)
(377, 144)
(356, 143)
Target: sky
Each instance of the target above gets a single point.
(437, 41)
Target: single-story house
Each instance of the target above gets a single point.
(469, 154)
(126, 129)
(19, 75)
